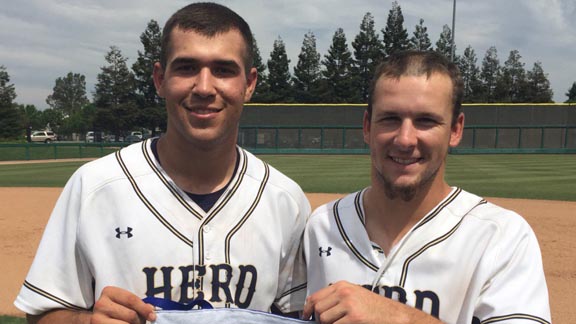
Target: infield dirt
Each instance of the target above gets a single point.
(25, 211)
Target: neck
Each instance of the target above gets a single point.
(388, 220)
(197, 170)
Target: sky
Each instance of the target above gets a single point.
(42, 40)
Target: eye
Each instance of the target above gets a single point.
(427, 122)
(224, 71)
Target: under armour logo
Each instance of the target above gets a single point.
(327, 251)
(127, 232)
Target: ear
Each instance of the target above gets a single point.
(158, 76)
(366, 128)
(457, 131)
(251, 80)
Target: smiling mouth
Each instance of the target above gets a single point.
(202, 110)
(405, 161)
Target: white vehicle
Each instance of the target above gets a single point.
(137, 134)
(91, 137)
(43, 136)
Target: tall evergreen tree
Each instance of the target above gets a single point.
(262, 89)
(512, 85)
(395, 35)
(11, 122)
(470, 75)
(367, 54)
(114, 96)
(420, 39)
(538, 86)
(571, 94)
(338, 80)
(152, 113)
(279, 73)
(489, 75)
(307, 71)
(444, 43)
(69, 94)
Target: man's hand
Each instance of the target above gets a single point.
(122, 306)
(344, 302)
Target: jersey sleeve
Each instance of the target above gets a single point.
(515, 291)
(59, 277)
(292, 277)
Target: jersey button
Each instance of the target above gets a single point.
(206, 229)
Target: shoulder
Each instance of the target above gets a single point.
(108, 169)
(276, 180)
(344, 206)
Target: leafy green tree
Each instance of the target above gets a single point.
(11, 121)
(444, 43)
(114, 97)
(395, 35)
(512, 85)
(489, 75)
(538, 87)
(367, 54)
(571, 94)
(338, 82)
(69, 94)
(420, 39)
(279, 73)
(470, 75)
(307, 71)
(262, 90)
(31, 116)
(152, 114)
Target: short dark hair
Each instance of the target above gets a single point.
(208, 19)
(417, 63)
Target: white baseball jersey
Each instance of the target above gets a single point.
(466, 261)
(121, 221)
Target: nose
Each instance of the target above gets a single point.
(204, 83)
(406, 136)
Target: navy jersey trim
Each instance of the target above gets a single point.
(148, 205)
(513, 317)
(168, 185)
(215, 210)
(248, 213)
(346, 239)
(53, 298)
(358, 206)
(439, 208)
(436, 241)
(291, 291)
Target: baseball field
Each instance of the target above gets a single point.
(539, 187)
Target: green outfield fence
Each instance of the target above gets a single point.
(288, 139)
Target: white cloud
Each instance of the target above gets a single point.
(43, 40)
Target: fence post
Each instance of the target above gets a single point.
(27, 151)
(55, 151)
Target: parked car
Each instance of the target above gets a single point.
(137, 134)
(92, 137)
(132, 139)
(43, 136)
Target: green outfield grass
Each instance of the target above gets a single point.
(543, 176)
(11, 320)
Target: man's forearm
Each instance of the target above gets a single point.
(60, 316)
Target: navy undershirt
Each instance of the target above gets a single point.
(205, 201)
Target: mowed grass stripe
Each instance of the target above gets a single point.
(543, 176)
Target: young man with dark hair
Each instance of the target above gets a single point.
(186, 216)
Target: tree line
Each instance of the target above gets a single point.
(125, 98)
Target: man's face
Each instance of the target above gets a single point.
(205, 86)
(410, 132)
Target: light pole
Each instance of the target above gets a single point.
(453, 49)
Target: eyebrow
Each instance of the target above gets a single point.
(189, 60)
